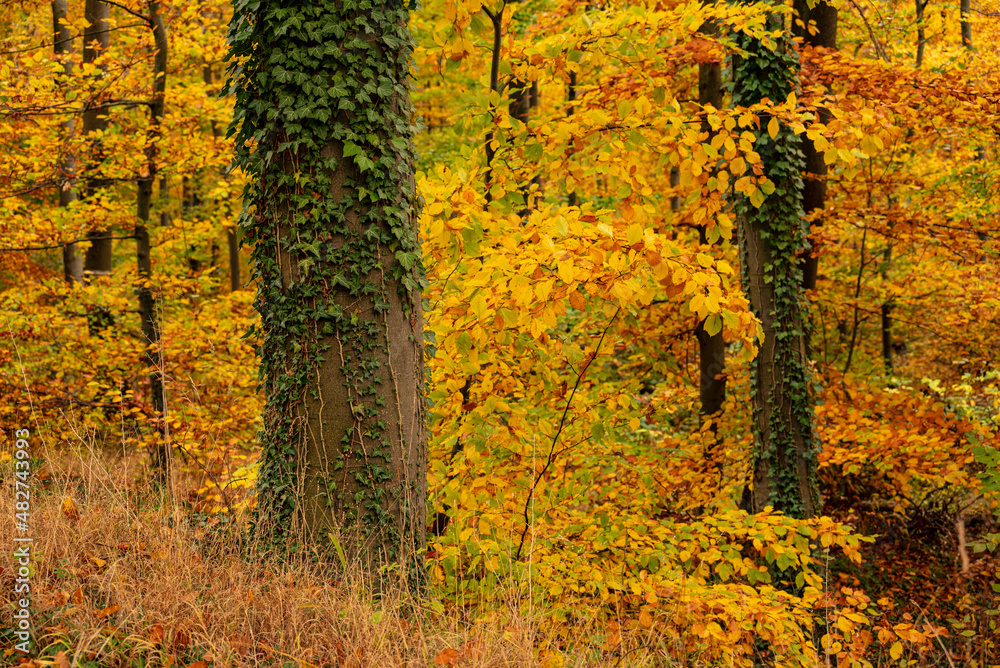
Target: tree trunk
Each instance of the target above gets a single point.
(161, 454)
(772, 238)
(233, 239)
(523, 98)
(63, 50)
(232, 233)
(966, 9)
(814, 183)
(572, 198)
(711, 348)
(886, 311)
(332, 218)
(920, 6)
(96, 40)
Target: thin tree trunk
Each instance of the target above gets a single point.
(920, 6)
(162, 452)
(885, 312)
(711, 347)
(232, 233)
(233, 240)
(63, 49)
(96, 40)
(824, 16)
(496, 19)
(572, 198)
(966, 9)
(523, 98)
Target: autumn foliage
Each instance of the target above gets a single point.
(577, 228)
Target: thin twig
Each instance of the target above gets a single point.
(555, 437)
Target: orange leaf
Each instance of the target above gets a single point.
(60, 660)
(446, 657)
(156, 634)
(108, 611)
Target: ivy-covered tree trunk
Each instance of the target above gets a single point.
(324, 129)
(772, 237)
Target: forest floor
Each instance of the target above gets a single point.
(122, 577)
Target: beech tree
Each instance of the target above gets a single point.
(324, 128)
(772, 238)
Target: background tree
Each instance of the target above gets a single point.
(96, 42)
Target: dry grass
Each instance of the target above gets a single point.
(128, 580)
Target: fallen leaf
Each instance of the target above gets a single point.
(69, 508)
(97, 561)
(645, 619)
(60, 660)
(108, 611)
(156, 634)
(896, 650)
(198, 664)
(446, 657)
(77, 597)
(181, 638)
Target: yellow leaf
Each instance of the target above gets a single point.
(478, 305)
(634, 234)
(69, 508)
(772, 127)
(845, 625)
(566, 271)
(896, 650)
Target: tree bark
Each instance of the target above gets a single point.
(232, 233)
(63, 49)
(161, 453)
(332, 218)
(572, 198)
(814, 184)
(919, 7)
(96, 40)
(523, 98)
(711, 348)
(966, 8)
(233, 241)
(885, 311)
(772, 238)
